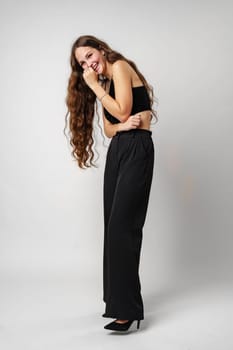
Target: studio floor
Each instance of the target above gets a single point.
(46, 312)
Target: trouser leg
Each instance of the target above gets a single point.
(110, 178)
(125, 211)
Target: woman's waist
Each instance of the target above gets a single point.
(145, 119)
(133, 132)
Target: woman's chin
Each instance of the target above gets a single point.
(100, 71)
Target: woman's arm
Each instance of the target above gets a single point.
(121, 106)
(111, 129)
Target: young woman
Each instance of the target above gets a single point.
(98, 72)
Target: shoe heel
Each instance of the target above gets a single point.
(138, 324)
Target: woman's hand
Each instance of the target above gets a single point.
(90, 76)
(131, 123)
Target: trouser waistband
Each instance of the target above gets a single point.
(133, 132)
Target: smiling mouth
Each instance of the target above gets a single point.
(95, 66)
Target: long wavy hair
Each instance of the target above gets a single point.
(81, 101)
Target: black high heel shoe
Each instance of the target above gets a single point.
(115, 326)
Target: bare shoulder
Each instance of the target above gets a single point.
(121, 66)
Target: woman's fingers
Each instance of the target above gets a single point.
(136, 119)
(89, 75)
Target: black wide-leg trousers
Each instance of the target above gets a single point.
(127, 182)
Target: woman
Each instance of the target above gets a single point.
(98, 72)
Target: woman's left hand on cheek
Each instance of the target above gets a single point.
(90, 76)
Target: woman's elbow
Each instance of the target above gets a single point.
(123, 116)
(123, 113)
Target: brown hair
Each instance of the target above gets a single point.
(81, 101)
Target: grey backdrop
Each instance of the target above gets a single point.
(51, 211)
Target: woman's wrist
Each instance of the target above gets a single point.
(120, 126)
(98, 90)
(94, 86)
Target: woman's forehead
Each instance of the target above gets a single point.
(80, 52)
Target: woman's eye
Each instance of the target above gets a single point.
(90, 54)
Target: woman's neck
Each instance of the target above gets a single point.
(108, 71)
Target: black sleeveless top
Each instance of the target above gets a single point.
(141, 101)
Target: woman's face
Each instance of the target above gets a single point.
(89, 57)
